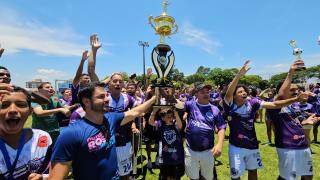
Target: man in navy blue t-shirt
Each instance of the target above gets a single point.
(88, 145)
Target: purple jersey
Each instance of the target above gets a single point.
(65, 102)
(124, 103)
(289, 133)
(315, 101)
(242, 131)
(75, 90)
(171, 143)
(302, 110)
(202, 120)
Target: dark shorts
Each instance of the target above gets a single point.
(175, 171)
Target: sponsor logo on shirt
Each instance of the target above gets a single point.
(99, 141)
(297, 137)
(170, 136)
(200, 124)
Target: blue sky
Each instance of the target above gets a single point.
(45, 39)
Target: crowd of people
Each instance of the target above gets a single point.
(92, 131)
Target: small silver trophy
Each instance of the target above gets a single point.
(297, 53)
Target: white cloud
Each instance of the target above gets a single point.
(51, 72)
(50, 75)
(18, 32)
(196, 37)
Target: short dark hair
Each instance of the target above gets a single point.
(132, 84)
(64, 90)
(42, 84)
(25, 92)
(84, 74)
(2, 67)
(246, 89)
(87, 91)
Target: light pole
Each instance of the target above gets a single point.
(144, 45)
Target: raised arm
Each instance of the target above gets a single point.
(178, 119)
(76, 79)
(1, 51)
(282, 103)
(95, 45)
(232, 86)
(284, 90)
(153, 116)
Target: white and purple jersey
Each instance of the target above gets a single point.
(124, 103)
(202, 120)
(242, 130)
(65, 102)
(172, 152)
(302, 110)
(289, 133)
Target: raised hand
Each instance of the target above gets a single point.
(1, 51)
(85, 55)
(296, 64)
(149, 72)
(94, 41)
(311, 120)
(303, 97)
(245, 68)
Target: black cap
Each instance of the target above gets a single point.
(199, 86)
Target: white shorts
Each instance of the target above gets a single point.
(294, 163)
(199, 161)
(124, 158)
(242, 159)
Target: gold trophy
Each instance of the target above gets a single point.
(163, 24)
(297, 53)
(162, 56)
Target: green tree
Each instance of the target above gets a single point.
(222, 76)
(195, 78)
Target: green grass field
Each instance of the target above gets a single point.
(268, 154)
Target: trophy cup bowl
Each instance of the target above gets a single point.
(164, 25)
(297, 53)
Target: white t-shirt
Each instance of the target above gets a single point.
(33, 157)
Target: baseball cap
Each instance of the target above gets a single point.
(199, 86)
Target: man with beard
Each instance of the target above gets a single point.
(25, 152)
(91, 152)
(120, 102)
(292, 146)
(44, 115)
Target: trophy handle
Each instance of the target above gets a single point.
(156, 63)
(176, 29)
(170, 64)
(150, 22)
